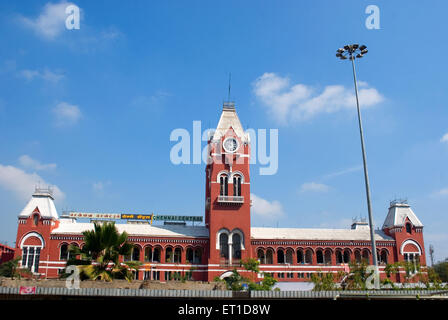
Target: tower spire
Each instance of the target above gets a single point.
(229, 104)
(230, 79)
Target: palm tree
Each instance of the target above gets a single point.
(101, 252)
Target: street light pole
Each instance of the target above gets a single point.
(344, 53)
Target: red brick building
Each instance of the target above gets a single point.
(6, 253)
(214, 249)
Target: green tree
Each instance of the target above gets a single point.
(251, 264)
(356, 279)
(236, 282)
(323, 281)
(441, 269)
(266, 284)
(433, 280)
(99, 257)
(11, 269)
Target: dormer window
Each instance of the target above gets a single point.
(408, 228)
(36, 219)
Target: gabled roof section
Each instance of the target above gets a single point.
(229, 119)
(316, 234)
(42, 201)
(137, 229)
(398, 212)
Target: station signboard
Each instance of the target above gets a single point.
(134, 216)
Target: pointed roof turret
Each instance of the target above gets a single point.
(398, 212)
(42, 202)
(229, 119)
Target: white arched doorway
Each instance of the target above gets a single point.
(225, 275)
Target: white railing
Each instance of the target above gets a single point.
(231, 199)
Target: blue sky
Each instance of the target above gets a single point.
(90, 111)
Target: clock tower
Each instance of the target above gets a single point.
(227, 209)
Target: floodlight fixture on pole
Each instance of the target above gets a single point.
(352, 52)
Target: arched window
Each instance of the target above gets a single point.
(224, 245)
(308, 256)
(280, 256)
(300, 256)
(357, 256)
(408, 228)
(69, 256)
(197, 258)
(383, 256)
(366, 255)
(31, 246)
(224, 185)
(411, 251)
(236, 246)
(156, 253)
(237, 185)
(36, 219)
(346, 256)
(261, 257)
(339, 258)
(148, 254)
(177, 255)
(327, 256)
(169, 254)
(189, 255)
(136, 253)
(289, 254)
(64, 252)
(319, 256)
(269, 256)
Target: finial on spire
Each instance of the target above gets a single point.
(229, 104)
(230, 79)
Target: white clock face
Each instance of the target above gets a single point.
(230, 144)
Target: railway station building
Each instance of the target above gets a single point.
(215, 248)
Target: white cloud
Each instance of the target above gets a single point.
(51, 76)
(28, 162)
(444, 138)
(51, 21)
(298, 102)
(441, 192)
(22, 184)
(99, 187)
(268, 210)
(314, 187)
(66, 114)
(342, 172)
(46, 75)
(29, 74)
(154, 101)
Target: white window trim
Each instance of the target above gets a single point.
(28, 256)
(33, 234)
(409, 241)
(218, 234)
(237, 173)
(240, 233)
